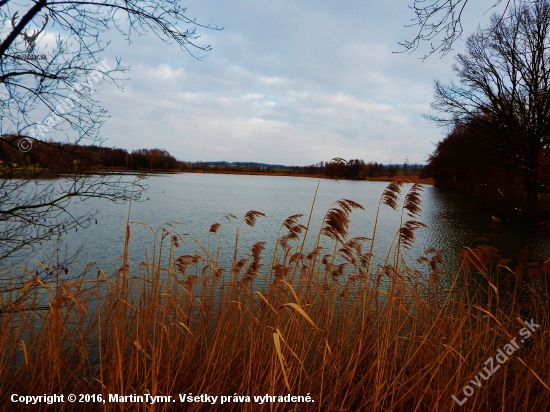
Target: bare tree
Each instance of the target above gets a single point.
(50, 94)
(505, 83)
(439, 22)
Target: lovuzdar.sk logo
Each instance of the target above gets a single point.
(30, 39)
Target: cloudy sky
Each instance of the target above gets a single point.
(287, 82)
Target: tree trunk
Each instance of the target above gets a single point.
(531, 182)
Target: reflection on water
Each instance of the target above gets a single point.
(193, 202)
(457, 221)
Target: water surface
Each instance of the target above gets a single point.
(193, 202)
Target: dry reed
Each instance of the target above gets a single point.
(354, 336)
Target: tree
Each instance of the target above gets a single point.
(466, 160)
(505, 84)
(49, 94)
(440, 23)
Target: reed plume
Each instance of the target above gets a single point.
(254, 265)
(406, 232)
(214, 228)
(337, 219)
(251, 216)
(413, 200)
(390, 195)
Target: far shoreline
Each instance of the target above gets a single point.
(43, 173)
(411, 179)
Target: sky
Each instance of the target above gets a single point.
(286, 82)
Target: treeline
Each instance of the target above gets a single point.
(20, 152)
(153, 159)
(352, 169)
(478, 160)
(360, 170)
(245, 167)
(66, 158)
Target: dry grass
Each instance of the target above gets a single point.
(321, 322)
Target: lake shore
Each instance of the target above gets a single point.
(45, 173)
(412, 179)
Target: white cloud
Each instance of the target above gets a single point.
(286, 82)
(162, 72)
(274, 81)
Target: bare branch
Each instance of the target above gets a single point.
(439, 22)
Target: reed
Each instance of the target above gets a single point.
(326, 323)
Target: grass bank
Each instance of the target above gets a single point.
(324, 325)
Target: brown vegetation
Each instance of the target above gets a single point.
(321, 322)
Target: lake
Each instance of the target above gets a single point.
(193, 202)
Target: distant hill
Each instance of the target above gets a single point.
(248, 164)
